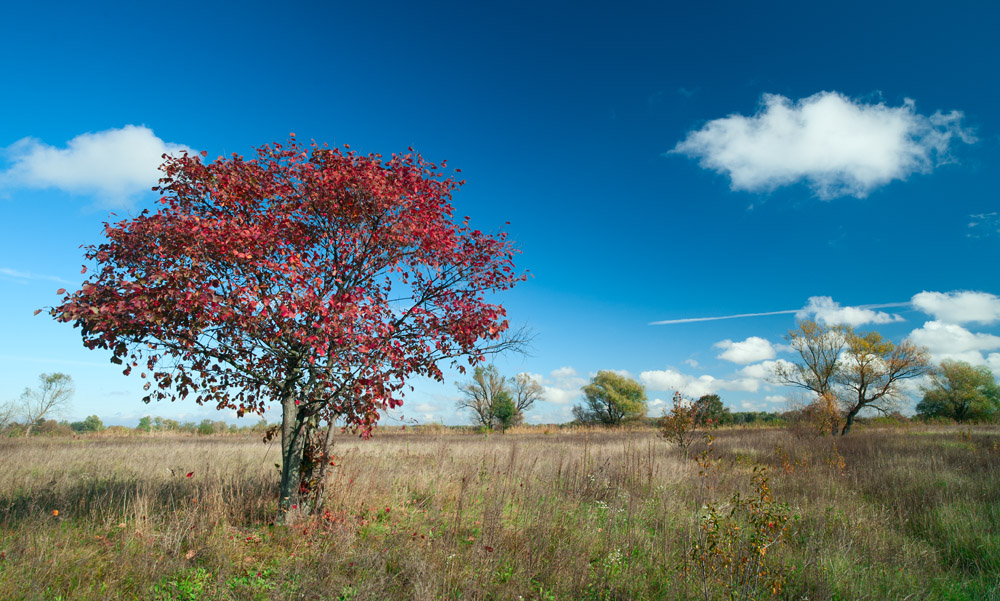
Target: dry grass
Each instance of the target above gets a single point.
(883, 514)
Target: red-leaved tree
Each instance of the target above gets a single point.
(311, 277)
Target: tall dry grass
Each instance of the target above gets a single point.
(584, 514)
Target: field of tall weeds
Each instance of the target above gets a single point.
(899, 513)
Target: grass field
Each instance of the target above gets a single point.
(907, 513)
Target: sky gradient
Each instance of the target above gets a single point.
(656, 163)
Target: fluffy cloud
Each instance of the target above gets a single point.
(561, 387)
(740, 384)
(695, 386)
(825, 310)
(836, 145)
(959, 307)
(669, 379)
(951, 341)
(656, 406)
(750, 350)
(114, 165)
(762, 371)
(993, 361)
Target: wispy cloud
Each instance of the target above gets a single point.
(982, 225)
(836, 145)
(26, 276)
(805, 311)
(114, 165)
(667, 322)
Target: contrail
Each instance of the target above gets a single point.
(667, 322)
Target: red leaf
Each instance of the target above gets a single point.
(189, 474)
(61, 291)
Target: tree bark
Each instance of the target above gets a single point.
(294, 435)
(848, 423)
(324, 465)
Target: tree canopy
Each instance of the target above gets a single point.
(709, 411)
(611, 399)
(856, 370)
(312, 277)
(483, 393)
(960, 391)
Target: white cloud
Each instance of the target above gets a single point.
(665, 379)
(762, 371)
(566, 377)
(836, 145)
(750, 350)
(692, 362)
(563, 372)
(560, 396)
(741, 384)
(959, 306)
(114, 165)
(692, 386)
(825, 310)
(561, 387)
(993, 361)
(951, 341)
(656, 404)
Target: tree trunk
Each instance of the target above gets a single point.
(294, 435)
(324, 465)
(848, 423)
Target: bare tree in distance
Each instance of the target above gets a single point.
(481, 393)
(8, 410)
(525, 392)
(51, 398)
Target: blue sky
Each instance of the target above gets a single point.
(656, 163)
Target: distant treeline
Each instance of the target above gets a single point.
(207, 427)
(148, 424)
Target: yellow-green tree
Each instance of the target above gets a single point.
(856, 370)
(960, 391)
(871, 372)
(611, 399)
